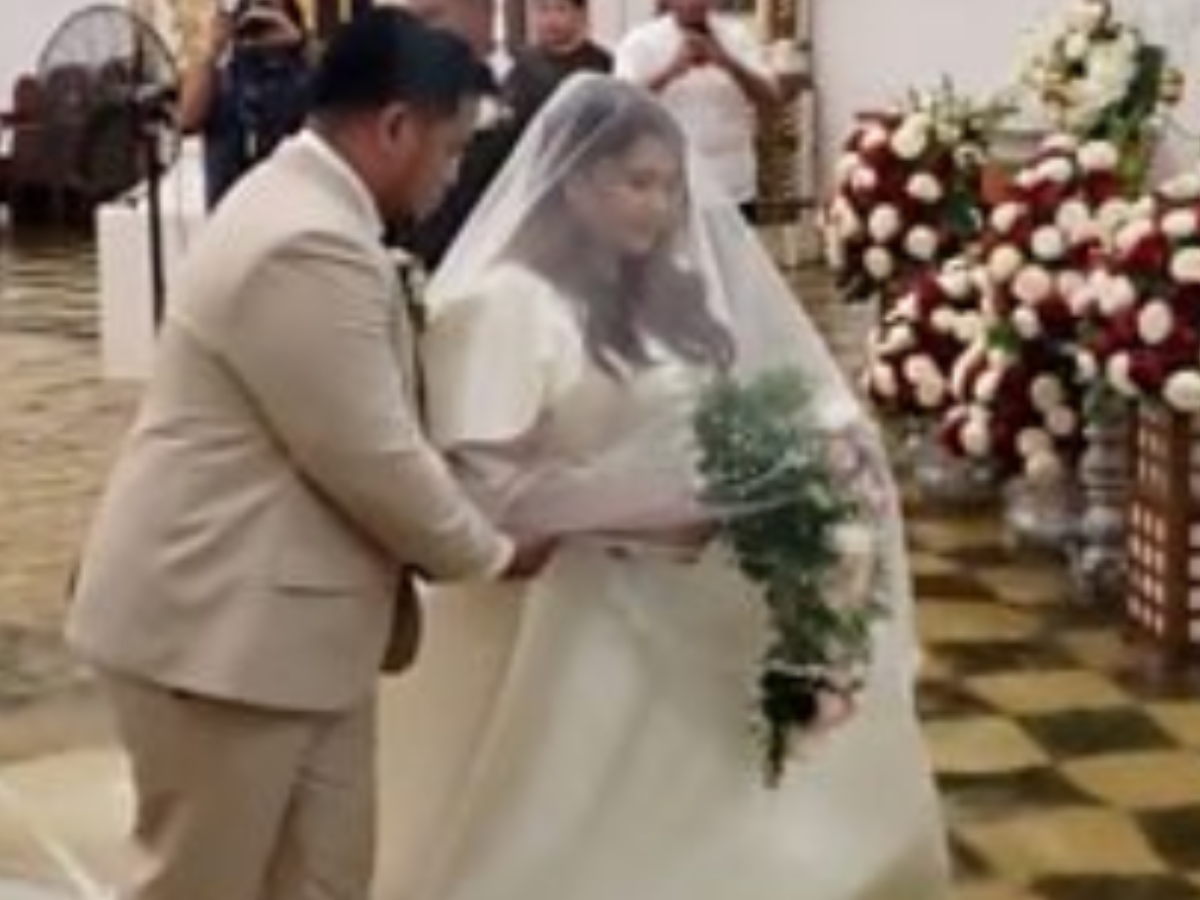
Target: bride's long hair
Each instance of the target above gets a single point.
(659, 297)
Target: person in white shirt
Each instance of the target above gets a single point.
(711, 72)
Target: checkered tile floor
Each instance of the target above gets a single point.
(1065, 776)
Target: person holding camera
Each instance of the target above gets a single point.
(250, 88)
(711, 73)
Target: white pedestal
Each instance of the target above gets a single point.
(123, 236)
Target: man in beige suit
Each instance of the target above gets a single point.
(238, 591)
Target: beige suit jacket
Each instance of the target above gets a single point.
(276, 478)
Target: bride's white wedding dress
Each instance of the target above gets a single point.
(589, 736)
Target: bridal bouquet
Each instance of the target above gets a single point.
(783, 493)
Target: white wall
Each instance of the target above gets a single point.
(27, 27)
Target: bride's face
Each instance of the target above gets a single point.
(633, 200)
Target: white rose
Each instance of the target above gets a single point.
(968, 327)
(919, 367)
(1075, 47)
(931, 394)
(879, 263)
(1117, 374)
(1086, 365)
(1112, 215)
(874, 136)
(955, 280)
(987, 385)
(906, 307)
(1099, 156)
(924, 187)
(1183, 188)
(1046, 392)
(1155, 322)
(1033, 440)
(1073, 287)
(1185, 266)
(1062, 421)
(1056, 169)
(1179, 223)
(1043, 467)
(884, 223)
(864, 179)
(1006, 215)
(883, 379)
(1004, 262)
(845, 167)
(898, 340)
(943, 320)
(1182, 392)
(975, 438)
(1072, 215)
(921, 243)
(1049, 244)
(1032, 284)
(1026, 322)
(1116, 294)
(908, 142)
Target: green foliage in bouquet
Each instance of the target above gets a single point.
(779, 504)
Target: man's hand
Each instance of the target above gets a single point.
(529, 558)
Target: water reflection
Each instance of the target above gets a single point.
(48, 282)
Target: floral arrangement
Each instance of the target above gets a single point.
(912, 350)
(906, 193)
(1144, 336)
(1018, 398)
(783, 494)
(1097, 76)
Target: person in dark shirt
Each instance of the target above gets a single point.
(560, 46)
(249, 91)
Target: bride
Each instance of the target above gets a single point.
(589, 735)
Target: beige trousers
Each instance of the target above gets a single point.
(237, 802)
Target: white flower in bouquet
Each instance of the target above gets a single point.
(1034, 440)
(884, 223)
(1049, 244)
(1099, 156)
(1073, 216)
(1182, 392)
(1076, 47)
(1047, 392)
(879, 263)
(924, 187)
(1112, 216)
(1073, 286)
(968, 326)
(883, 379)
(1132, 233)
(874, 136)
(921, 243)
(845, 167)
(987, 385)
(1032, 284)
(1056, 169)
(975, 437)
(1004, 262)
(1026, 323)
(1043, 467)
(1185, 265)
(1179, 224)
(918, 368)
(956, 281)
(1182, 188)
(1061, 142)
(1155, 322)
(1062, 421)
(1114, 293)
(897, 340)
(906, 307)
(1006, 216)
(1117, 373)
(943, 320)
(1086, 366)
(864, 179)
(910, 141)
